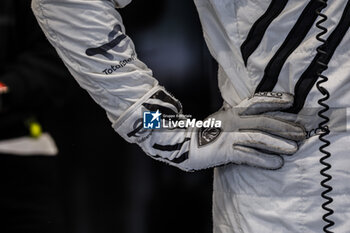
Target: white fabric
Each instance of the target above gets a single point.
(245, 199)
(287, 200)
(239, 138)
(74, 26)
(28, 146)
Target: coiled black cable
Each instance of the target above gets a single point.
(323, 124)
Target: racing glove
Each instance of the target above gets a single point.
(241, 136)
(103, 60)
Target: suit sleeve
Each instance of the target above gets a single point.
(90, 38)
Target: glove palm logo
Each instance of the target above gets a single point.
(208, 135)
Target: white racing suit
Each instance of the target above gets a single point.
(260, 45)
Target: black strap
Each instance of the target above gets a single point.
(259, 28)
(177, 160)
(161, 95)
(293, 40)
(174, 147)
(310, 76)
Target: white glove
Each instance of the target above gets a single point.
(243, 137)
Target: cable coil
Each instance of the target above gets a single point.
(323, 124)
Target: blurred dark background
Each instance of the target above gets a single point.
(98, 182)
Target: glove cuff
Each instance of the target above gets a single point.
(131, 123)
